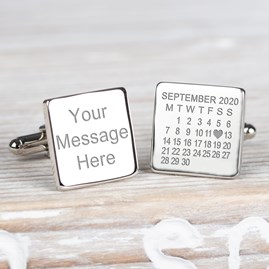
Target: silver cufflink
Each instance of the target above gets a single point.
(199, 130)
(89, 137)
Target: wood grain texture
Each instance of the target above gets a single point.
(53, 48)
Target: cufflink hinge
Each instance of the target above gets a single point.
(30, 144)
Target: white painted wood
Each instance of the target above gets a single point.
(53, 48)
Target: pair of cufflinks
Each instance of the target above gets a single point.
(197, 130)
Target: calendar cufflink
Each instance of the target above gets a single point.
(89, 137)
(199, 130)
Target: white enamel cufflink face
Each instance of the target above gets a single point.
(89, 137)
(199, 130)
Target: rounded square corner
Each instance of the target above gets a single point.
(243, 91)
(135, 171)
(122, 89)
(62, 188)
(153, 168)
(159, 85)
(46, 102)
(235, 175)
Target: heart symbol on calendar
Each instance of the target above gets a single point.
(218, 133)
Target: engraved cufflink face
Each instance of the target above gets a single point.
(198, 130)
(90, 138)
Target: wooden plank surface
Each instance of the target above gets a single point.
(53, 48)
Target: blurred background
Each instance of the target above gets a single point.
(50, 48)
(63, 45)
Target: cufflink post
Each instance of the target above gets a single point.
(249, 131)
(30, 144)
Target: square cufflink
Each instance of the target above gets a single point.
(199, 130)
(89, 137)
